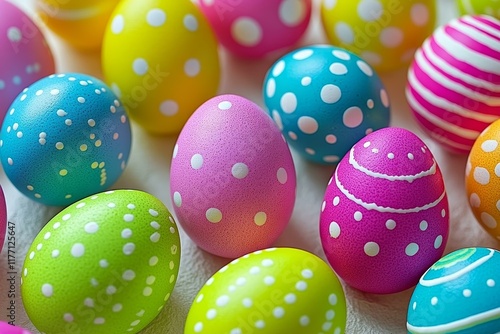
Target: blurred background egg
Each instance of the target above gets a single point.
(385, 211)
(459, 294)
(482, 179)
(79, 23)
(161, 59)
(106, 264)
(3, 219)
(232, 178)
(454, 83)
(24, 53)
(488, 7)
(65, 137)
(385, 33)
(256, 28)
(324, 99)
(275, 290)
(6, 328)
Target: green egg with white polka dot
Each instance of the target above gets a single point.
(106, 264)
(275, 290)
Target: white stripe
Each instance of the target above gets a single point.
(479, 35)
(468, 7)
(475, 22)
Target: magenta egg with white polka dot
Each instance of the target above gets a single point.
(232, 178)
(255, 28)
(25, 56)
(384, 218)
(6, 328)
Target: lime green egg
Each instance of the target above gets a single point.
(472, 7)
(105, 264)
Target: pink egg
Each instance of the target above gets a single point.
(254, 28)
(6, 328)
(385, 213)
(24, 54)
(454, 82)
(3, 219)
(232, 178)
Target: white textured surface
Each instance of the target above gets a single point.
(148, 170)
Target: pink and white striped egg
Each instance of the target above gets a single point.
(384, 218)
(232, 178)
(454, 82)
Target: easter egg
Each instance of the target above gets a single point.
(459, 294)
(256, 28)
(65, 137)
(6, 328)
(25, 55)
(232, 178)
(385, 33)
(489, 7)
(161, 59)
(3, 220)
(105, 264)
(453, 84)
(275, 290)
(385, 211)
(324, 99)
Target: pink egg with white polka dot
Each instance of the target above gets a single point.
(255, 28)
(384, 218)
(232, 178)
(24, 54)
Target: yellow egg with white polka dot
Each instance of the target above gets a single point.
(80, 23)
(386, 33)
(161, 59)
(482, 179)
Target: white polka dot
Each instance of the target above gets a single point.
(126, 233)
(260, 324)
(176, 150)
(77, 250)
(443, 213)
(288, 103)
(371, 57)
(329, 4)
(128, 275)
(177, 199)
(155, 225)
(55, 253)
(370, 10)
(332, 299)
(344, 32)
(411, 249)
(140, 66)
(156, 17)
(198, 327)
(292, 135)
(128, 248)
(305, 81)
(246, 31)
(420, 14)
(54, 92)
(340, 54)
(371, 249)
(267, 262)
(260, 218)
(330, 314)
(304, 320)
(490, 283)
(225, 105)
(282, 175)
(235, 331)
(190, 22)
(47, 290)
(153, 261)
(481, 175)
(192, 67)
(307, 273)
(489, 145)
(308, 125)
(310, 151)
(438, 242)
(278, 68)
(103, 263)
(128, 217)
(423, 225)
(326, 326)
(270, 87)
(68, 317)
(338, 69)
(14, 34)
(247, 302)
(197, 161)
(117, 24)
(155, 237)
(239, 170)
(222, 301)
(91, 227)
(330, 93)
(385, 98)
(290, 298)
(147, 291)
(331, 139)
(497, 170)
(292, 12)
(269, 280)
(279, 312)
(488, 220)
(475, 201)
(365, 68)
(434, 301)
(214, 215)
(211, 313)
(390, 155)
(353, 117)
(303, 54)
(301, 286)
(467, 293)
(169, 108)
(391, 37)
(358, 216)
(336, 201)
(410, 156)
(254, 270)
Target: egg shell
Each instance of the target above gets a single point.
(25, 55)
(161, 59)
(385, 211)
(65, 137)
(481, 179)
(385, 33)
(459, 294)
(256, 28)
(232, 178)
(488, 7)
(79, 23)
(3, 219)
(6, 328)
(453, 86)
(324, 99)
(106, 264)
(275, 290)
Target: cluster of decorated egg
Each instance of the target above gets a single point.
(65, 137)
(459, 294)
(24, 53)
(324, 99)
(255, 28)
(105, 264)
(385, 33)
(232, 178)
(151, 64)
(488, 7)
(275, 290)
(453, 85)
(385, 211)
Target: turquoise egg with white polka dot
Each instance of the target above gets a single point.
(459, 294)
(105, 264)
(65, 137)
(325, 99)
(270, 291)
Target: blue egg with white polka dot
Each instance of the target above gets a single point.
(65, 137)
(325, 99)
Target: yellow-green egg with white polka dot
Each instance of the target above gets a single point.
(106, 264)
(161, 59)
(275, 290)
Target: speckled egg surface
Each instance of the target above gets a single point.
(65, 137)
(488, 7)
(106, 264)
(255, 28)
(161, 59)
(482, 179)
(3, 219)
(275, 290)
(24, 52)
(459, 294)
(324, 99)
(385, 33)
(454, 83)
(6, 328)
(385, 211)
(232, 178)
